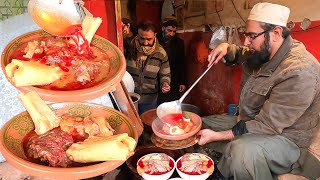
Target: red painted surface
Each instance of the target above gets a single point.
(106, 10)
(310, 37)
(149, 10)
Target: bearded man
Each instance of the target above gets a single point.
(279, 102)
(174, 47)
(148, 64)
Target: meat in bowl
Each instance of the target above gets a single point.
(194, 164)
(155, 165)
(176, 124)
(60, 61)
(49, 148)
(71, 141)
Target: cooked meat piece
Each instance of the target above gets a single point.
(194, 163)
(51, 147)
(83, 127)
(157, 163)
(34, 47)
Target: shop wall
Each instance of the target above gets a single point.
(106, 10)
(215, 90)
(310, 37)
(149, 10)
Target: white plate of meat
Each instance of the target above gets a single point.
(194, 166)
(156, 166)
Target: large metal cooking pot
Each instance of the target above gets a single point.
(191, 108)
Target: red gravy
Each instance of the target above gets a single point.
(75, 60)
(174, 120)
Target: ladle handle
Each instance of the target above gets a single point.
(187, 92)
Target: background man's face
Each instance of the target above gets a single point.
(146, 38)
(125, 29)
(169, 31)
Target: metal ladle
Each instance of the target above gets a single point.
(174, 107)
(55, 16)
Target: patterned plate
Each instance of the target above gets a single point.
(16, 129)
(174, 144)
(117, 70)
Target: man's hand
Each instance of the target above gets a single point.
(208, 136)
(182, 88)
(218, 53)
(165, 87)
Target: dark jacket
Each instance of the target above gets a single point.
(126, 45)
(176, 55)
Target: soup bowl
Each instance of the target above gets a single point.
(16, 130)
(141, 151)
(107, 82)
(156, 175)
(202, 175)
(157, 127)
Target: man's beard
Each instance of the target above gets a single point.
(258, 58)
(166, 37)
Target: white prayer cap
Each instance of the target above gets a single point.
(270, 13)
